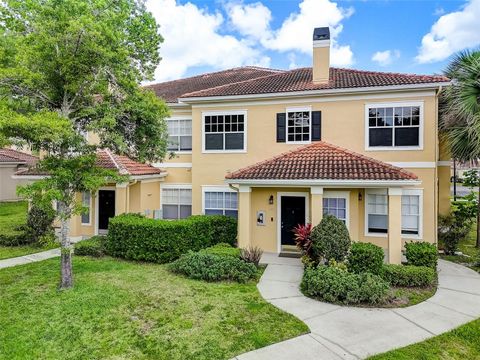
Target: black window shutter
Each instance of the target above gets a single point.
(316, 125)
(281, 127)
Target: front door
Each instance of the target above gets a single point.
(292, 214)
(106, 208)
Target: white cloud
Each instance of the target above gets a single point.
(252, 20)
(197, 37)
(451, 33)
(296, 31)
(384, 58)
(193, 38)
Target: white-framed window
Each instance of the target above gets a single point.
(176, 201)
(336, 203)
(299, 125)
(220, 201)
(412, 209)
(87, 203)
(394, 126)
(179, 134)
(224, 131)
(376, 212)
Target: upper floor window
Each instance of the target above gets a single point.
(298, 125)
(396, 126)
(224, 132)
(179, 134)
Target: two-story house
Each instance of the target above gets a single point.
(276, 148)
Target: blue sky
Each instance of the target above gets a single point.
(400, 36)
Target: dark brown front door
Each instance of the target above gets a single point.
(106, 207)
(292, 214)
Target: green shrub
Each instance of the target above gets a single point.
(421, 254)
(211, 267)
(223, 249)
(335, 285)
(451, 230)
(365, 257)
(330, 239)
(408, 275)
(162, 241)
(95, 246)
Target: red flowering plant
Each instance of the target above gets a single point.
(303, 238)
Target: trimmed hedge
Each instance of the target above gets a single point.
(95, 246)
(335, 285)
(365, 257)
(408, 275)
(421, 254)
(162, 241)
(222, 249)
(211, 267)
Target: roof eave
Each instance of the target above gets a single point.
(324, 182)
(346, 91)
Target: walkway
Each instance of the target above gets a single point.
(26, 259)
(340, 332)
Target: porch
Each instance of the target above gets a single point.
(378, 202)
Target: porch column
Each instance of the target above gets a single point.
(395, 225)
(316, 204)
(244, 216)
(121, 198)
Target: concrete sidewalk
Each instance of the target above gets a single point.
(26, 259)
(341, 332)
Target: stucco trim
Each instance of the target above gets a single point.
(324, 182)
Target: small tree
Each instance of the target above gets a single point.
(330, 239)
(69, 67)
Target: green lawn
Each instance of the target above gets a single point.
(462, 343)
(126, 310)
(12, 214)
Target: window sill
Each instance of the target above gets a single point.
(411, 236)
(298, 142)
(382, 235)
(224, 151)
(393, 148)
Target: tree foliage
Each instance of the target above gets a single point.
(71, 67)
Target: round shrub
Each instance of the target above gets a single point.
(211, 267)
(408, 275)
(335, 285)
(365, 257)
(95, 246)
(330, 239)
(421, 254)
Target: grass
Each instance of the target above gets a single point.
(12, 214)
(7, 252)
(126, 310)
(461, 343)
(404, 296)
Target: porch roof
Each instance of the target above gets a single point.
(322, 162)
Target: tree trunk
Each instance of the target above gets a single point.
(66, 255)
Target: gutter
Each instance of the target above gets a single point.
(323, 182)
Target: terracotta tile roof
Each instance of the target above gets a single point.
(301, 80)
(321, 161)
(10, 155)
(124, 165)
(107, 160)
(172, 90)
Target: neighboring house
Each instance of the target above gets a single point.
(275, 148)
(139, 195)
(12, 161)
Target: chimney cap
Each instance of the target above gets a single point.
(321, 33)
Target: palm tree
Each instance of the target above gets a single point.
(460, 111)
